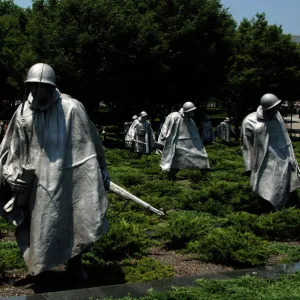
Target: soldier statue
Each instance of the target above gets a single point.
(52, 162)
(126, 129)
(206, 130)
(140, 135)
(183, 147)
(268, 153)
(225, 131)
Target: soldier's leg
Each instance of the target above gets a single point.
(75, 268)
(172, 174)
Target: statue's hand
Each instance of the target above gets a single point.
(248, 173)
(106, 178)
(18, 186)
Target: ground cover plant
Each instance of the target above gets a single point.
(212, 215)
(246, 287)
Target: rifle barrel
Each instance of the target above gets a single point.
(125, 194)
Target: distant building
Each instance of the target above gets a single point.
(212, 104)
(296, 38)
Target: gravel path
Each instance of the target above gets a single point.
(185, 264)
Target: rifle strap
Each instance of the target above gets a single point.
(122, 209)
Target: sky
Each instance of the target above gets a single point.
(279, 12)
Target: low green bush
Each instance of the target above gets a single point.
(247, 288)
(241, 221)
(185, 226)
(214, 214)
(146, 269)
(229, 246)
(115, 157)
(6, 227)
(288, 253)
(189, 198)
(10, 257)
(127, 176)
(123, 240)
(279, 225)
(159, 193)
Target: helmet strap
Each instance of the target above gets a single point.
(25, 96)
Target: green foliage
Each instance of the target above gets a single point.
(111, 44)
(252, 71)
(211, 215)
(183, 227)
(159, 194)
(6, 227)
(283, 224)
(124, 239)
(215, 214)
(127, 176)
(115, 157)
(288, 253)
(246, 287)
(10, 256)
(145, 269)
(279, 225)
(228, 245)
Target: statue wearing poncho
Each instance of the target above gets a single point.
(224, 131)
(140, 135)
(67, 205)
(207, 132)
(268, 154)
(183, 147)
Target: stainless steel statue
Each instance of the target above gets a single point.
(126, 129)
(52, 153)
(268, 153)
(140, 135)
(224, 131)
(183, 147)
(206, 130)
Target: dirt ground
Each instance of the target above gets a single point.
(185, 264)
(15, 283)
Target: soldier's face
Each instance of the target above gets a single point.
(271, 113)
(41, 92)
(189, 114)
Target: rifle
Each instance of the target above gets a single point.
(124, 194)
(139, 142)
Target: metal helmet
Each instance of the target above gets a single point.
(41, 73)
(134, 117)
(188, 106)
(269, 101)
(143, 114)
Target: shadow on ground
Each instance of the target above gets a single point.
(53, 281)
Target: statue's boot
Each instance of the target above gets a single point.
(75, 268)
(171, 175)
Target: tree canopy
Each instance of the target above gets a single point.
(265, 60)
(147, 53)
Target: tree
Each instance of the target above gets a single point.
(136, 52)
(265, 61)
(14, 51)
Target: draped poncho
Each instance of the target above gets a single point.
(67, 205)
(183, 147)
(142, 136)
(207, 131)
(269, 155)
